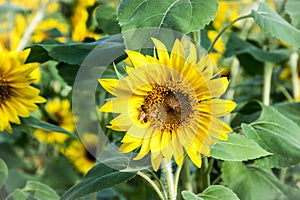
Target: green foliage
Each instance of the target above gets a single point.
(98, 178)
(237, 46)
(107, 20)
(274, 24)
(36, 123)
(182, 16)
(40, 191)
(214, 192)
(237, 148)
(252, 182)
(278, 135)
(3, 173)
(292, 8)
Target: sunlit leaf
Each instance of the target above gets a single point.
(292, 8)
(40, 191)
(218, 192)
(237, 148)
(274, 24)
(252, 183)
(277, 134)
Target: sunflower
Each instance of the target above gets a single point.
(58, 113)
(17, 96)
(83, 157)
(168, 105)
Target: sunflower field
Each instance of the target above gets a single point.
(149, 99)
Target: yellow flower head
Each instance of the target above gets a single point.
(83, 157)
(168, 104)
(17, 96)
(58, 114)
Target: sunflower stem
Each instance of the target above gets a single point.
(169, 180)
(176, 178)
(153, 185)
(187, 181)
(294, 71)
(36, 20)
(268, 69)
(224, 29)
(204, 176)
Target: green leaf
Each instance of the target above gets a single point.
(37, 54)
(292, 8)
(237, 46)
(107, 20)
(276, 134)
(98, 178)
(187, 195)
(20, 195)
(290, 110)
(3, 173)
(136, 18)
(40, 191)
(218, 192)
(237, 148)
(274, 24)
(36, 123)
(184, 16)
(252, 183)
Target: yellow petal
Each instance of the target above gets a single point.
(162, 51)
(193, 54)
(217, 107)
(136, 58)
(166, 146)
(177, 151)
(177, 58)
(109, 84)
(156, 159)
(195, 157)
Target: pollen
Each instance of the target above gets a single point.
(168, 106)
(4, 89)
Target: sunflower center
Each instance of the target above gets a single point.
(4, 89)
(168, 106)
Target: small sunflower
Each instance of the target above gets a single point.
(169, 105)
(83, 157)
(58, 113)
(17, 96)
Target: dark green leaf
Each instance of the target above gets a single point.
(237, 148)
(40, 191)
(107, 20)
(278, 135)
(274, 24)
(3, 173)
(98, 178)
(252, 183)
(218, 192)
(237, 46)
(68, 72)
(36, 123)
(37, 54)
(292, 8)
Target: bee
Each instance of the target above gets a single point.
(173, 103)
(143, 115)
